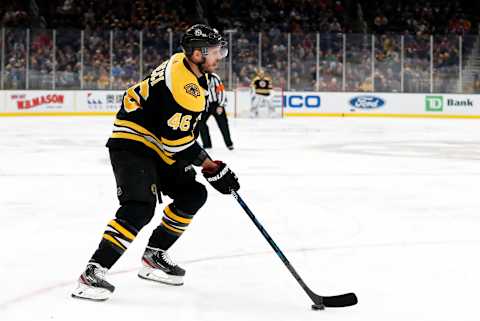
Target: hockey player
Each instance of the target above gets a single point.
(152, 148)
(261, 87)
(216, 107)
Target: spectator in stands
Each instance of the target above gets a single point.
(276, 18)
(380, 23)
(15, 16)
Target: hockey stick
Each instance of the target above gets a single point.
(320, 302)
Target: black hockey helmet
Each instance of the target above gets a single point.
(202, 37)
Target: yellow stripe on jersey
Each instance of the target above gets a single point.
(183, 85)
(139, 129)
(136, 127)
(177, 142)
(114, 241)
(143, 140)
(121, 230)
(175, 217)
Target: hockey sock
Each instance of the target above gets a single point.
(174, 223)
(117, 237)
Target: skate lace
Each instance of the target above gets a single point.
(99, 272)
(166, 258)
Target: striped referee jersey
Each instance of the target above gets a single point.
(216, 90)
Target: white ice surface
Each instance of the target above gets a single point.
(388, 208)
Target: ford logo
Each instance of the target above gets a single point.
(367, 102)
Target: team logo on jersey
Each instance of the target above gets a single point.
(192, 89)
(262, 83)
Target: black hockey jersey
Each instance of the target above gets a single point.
(262, 85)
(159, 115)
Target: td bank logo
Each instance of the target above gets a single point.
(437, 103)
(434, 103)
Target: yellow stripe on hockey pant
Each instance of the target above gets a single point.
(142, 140)
(172, 228)
(114, 241)
(175, 217)
(122, 230)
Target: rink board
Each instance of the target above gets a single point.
(99, 102)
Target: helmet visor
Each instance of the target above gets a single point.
(217, 52)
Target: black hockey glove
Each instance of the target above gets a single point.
(222, 179)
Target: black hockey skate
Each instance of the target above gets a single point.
(157, 266)
(92, 284)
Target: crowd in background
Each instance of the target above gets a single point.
(124, 40)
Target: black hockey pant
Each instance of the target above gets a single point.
(140, 178)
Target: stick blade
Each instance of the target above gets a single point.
(340, 301)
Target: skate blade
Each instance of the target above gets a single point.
(91, 293)
(159, 276)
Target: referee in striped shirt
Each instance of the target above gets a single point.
(216, 107)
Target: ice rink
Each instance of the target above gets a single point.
(387, 208)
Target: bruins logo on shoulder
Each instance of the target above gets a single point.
(192, 89)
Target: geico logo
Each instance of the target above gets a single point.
(299, 101)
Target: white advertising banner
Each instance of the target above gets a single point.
(381, 104)
(38, 101)
(98, 101)
(339, 104)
